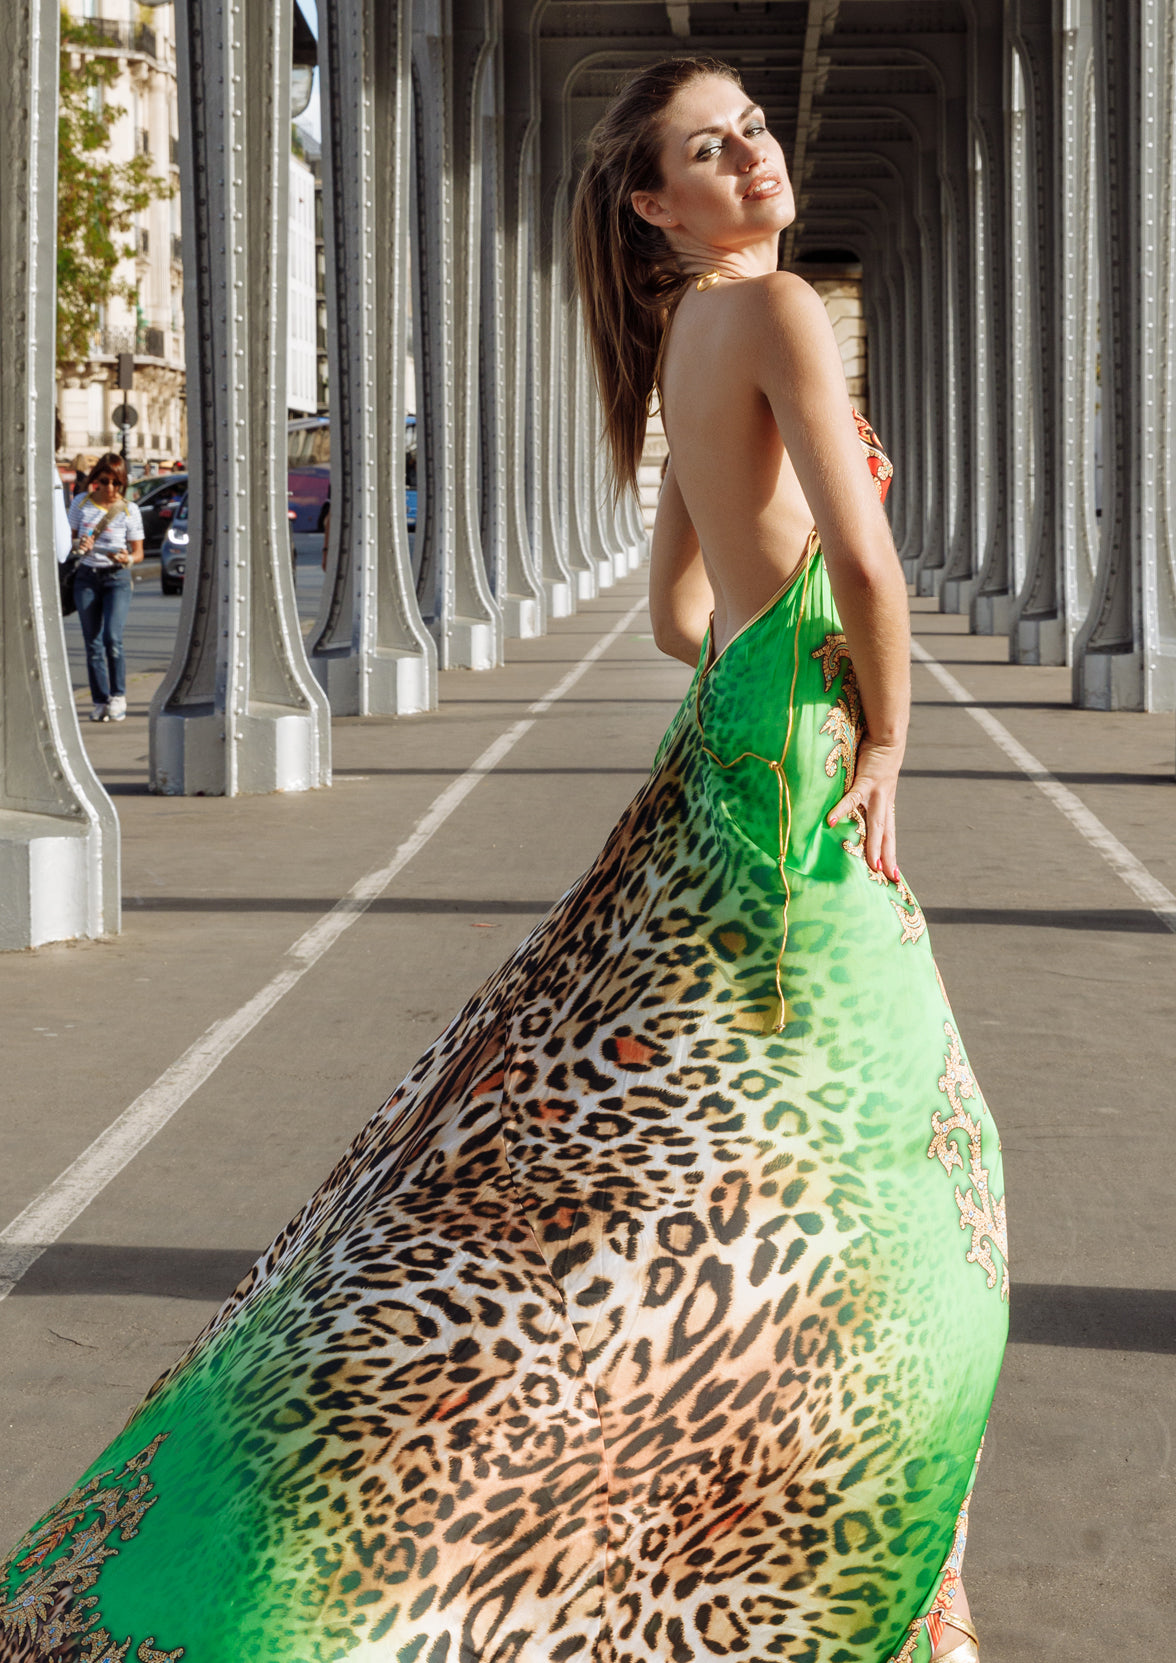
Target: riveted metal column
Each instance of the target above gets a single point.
(508, 316)
(559, 579)
(239, 710)
(925, 569)
(1060, 556)
(911, 462)
(59, 835)
(588, 554)
(613, 535)
(1125, 655)
(450, 38)
(985, 593)
(956, 547)
(963, 568)
(369, 647)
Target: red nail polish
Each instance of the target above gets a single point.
(896, 874)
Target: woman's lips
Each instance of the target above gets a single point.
(762, 189)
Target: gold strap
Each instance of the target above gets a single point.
(966, 1652)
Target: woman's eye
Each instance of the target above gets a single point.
(708, 150)
(756, 127)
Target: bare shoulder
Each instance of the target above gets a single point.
(785, 300)
(795, 343)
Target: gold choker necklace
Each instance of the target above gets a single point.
(707, 281)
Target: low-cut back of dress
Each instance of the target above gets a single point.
(658, 1313)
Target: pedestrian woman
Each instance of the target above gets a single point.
(638, 1326)
(108, 534)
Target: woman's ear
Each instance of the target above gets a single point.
(647, 207)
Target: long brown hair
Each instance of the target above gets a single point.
(626, 272)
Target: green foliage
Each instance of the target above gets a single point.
(97, 199)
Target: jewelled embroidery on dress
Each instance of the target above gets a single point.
(844, 722)
(979, 1211)
(845, 726)
(34, 1612)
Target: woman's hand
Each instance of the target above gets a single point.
(85, 544)
(875, 783)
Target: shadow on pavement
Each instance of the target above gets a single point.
(1130, 920)
(1103, 1319)
(413, 904)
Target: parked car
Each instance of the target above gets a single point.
(157, 496)
(173, 553)
(308, 461)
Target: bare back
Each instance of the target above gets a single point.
(737, 480)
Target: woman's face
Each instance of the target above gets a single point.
(103, 488)
(725, 186)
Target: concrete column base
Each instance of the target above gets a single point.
(473, 645)
(585, 585)
(1116, 681)
(990, 614)
(929, 580)
(522, 617)
(956, 594)
(390, 683)
(605, 572)
(560, 602)
(276, 750)
(1037, 641)
(50, 881)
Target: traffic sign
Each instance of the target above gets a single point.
(125, 416)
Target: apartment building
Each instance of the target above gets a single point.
(151, 327)
(142, 40)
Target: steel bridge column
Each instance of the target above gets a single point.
(911, 464)
(369, 647)
(958, 356)
(926, 568)
(962, 571)
(1059, 558)
(582, 560)
(59, 834)
(595, 554)
(1125, 654)
(450, 38)
(239, 710)
(985, 592)
(519, 590)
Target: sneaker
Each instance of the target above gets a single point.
(116, 710)
(100, 713)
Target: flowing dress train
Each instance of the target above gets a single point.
(657, 1315)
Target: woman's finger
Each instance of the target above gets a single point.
(846, 806)
(876, 819)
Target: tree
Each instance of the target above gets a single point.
(97, 199)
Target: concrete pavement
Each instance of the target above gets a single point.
(1062, 980)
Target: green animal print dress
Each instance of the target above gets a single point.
(654, 1319)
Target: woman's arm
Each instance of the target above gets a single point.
(680, 596)
(135, 550)
(798, 366)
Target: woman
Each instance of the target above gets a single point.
(638, 1324)
(109, 538)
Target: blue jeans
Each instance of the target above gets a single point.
(103, 599)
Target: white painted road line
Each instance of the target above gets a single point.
(46, 1218)
(1134, 874)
